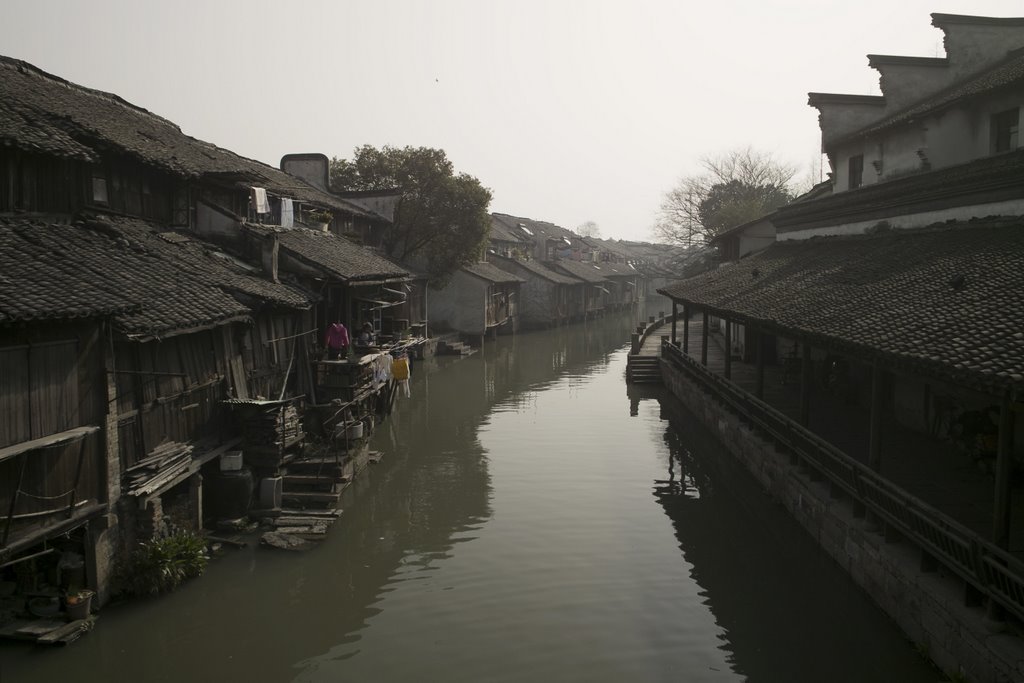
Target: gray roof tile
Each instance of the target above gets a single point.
(949, 299)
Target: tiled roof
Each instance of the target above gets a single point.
(491, 273)
(609, 269)
(984, 180)
(588, 272)
(502, 232)
(947, 300)
(43, 113)
(154, 283)
(50, 272)
(334, 255)
(535, 267)
(208, 263)
(1006, 73)
(538, 230)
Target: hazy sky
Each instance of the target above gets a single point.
(567, 111)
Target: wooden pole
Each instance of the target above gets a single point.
(728, 348)
(1004, 466)
(805, 386)
(704, 339)
(759, 340)
(686, 328)
(875, 426)
(675, 310)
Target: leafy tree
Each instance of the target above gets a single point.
(733, 203)
(734, 188)
(588, 229)
(441, 219)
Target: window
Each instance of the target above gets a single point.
(99, 188)
(1004, 130)
(856, 171)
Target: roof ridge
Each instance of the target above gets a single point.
(28, 68)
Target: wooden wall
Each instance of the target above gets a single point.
(167, 390)
(53, 380)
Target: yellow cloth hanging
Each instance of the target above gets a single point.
(400, 368)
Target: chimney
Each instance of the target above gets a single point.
(312, 167)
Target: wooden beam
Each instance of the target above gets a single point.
(704, 339)
(51, 441)
(1004, 468)
(759, 355)
(805, 385)
(728, 348)
(875, 425)
(675, 311)
(686, 328)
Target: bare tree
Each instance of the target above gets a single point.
(734, 188)
(588, 229)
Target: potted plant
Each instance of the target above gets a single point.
(79, 603)
(319, 218)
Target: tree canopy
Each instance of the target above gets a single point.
(441, 220)
(588, 229)
(734, 188)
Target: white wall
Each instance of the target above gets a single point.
(948, 138)
(460, 306)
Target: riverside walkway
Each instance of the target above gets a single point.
(929, 468)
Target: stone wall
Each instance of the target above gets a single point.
(930, 604)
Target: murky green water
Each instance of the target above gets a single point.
(522, 526)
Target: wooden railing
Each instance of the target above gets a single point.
(976, 560)
(643, 331)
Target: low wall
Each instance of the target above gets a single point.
(929, 605)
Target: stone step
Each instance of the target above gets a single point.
(311, 480)
(311, 498)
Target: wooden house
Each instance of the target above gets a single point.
(590, 299)
(147, 278)
(478, 300)
(545, 296)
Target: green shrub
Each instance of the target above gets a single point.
(160, 565)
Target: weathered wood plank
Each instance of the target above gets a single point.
(47, 441)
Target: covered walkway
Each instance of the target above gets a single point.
(927, 467)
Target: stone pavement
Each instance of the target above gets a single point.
(928, 467)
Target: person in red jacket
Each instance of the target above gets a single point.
(336, 341)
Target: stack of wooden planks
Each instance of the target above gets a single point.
(278, 427)
(161, 465)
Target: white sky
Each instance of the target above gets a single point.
(567, 110)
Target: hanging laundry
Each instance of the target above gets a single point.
(287, 213)
(258, 197)
(402, 372)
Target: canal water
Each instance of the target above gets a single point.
(532, 520)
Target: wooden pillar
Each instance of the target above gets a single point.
(728, 348)
(675, 310)
(759, 351)
(805, 385)
(704, 339)
(686, 328)
(875, 426)
(1004, 466)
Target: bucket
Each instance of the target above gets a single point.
(355, 431)
(80, 608)
(271, 489)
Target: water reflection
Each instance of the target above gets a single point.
(787, 612)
